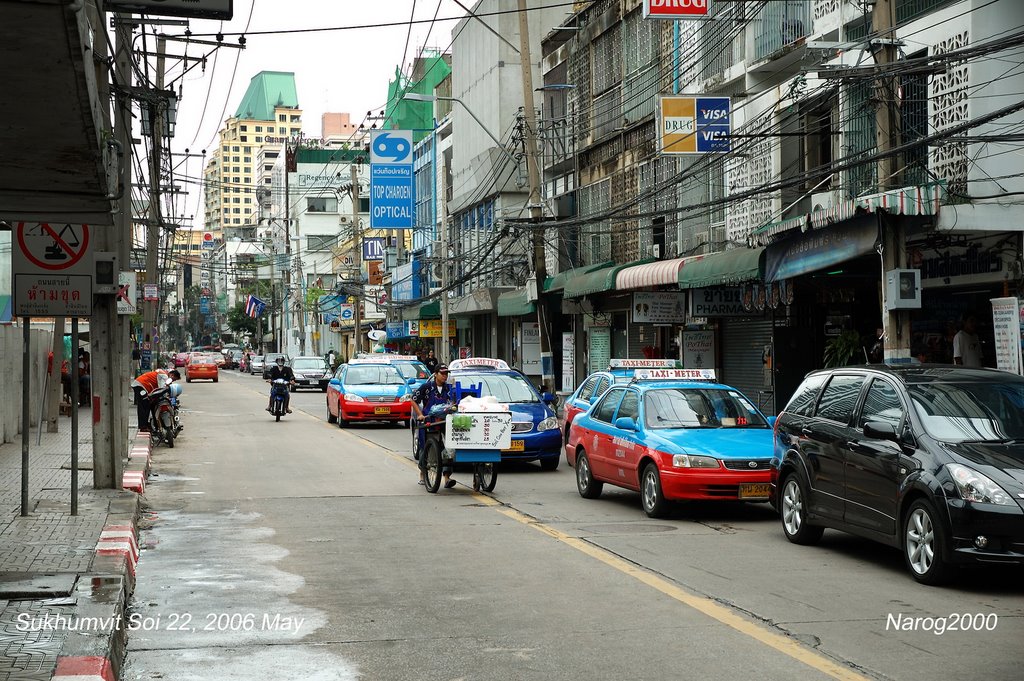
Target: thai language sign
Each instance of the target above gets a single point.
(392, 185)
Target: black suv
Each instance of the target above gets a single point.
(925, 458)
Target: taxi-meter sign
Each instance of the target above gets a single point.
(52, 267)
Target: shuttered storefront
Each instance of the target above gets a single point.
(640, 337)
(743, 352)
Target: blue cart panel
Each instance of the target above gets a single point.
(478, 456)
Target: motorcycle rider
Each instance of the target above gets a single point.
(279, 370)
(145, 384)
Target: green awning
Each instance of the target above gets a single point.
(557, 282)
(734, 266)
(515, 303)
(597, 281)
(428, 310)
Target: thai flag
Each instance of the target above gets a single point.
(254, 307)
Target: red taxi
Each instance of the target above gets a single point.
(201, 366)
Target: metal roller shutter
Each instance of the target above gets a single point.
(743, 343)
(640, 337)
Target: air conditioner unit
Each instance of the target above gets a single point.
(343, 219)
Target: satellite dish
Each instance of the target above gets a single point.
(377, 335)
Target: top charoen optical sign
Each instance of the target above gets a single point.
(675, 9)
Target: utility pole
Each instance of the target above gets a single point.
(156, 124)
(895, 325)
(444, 356)
(286, 298)
(357, 258)
(540, 269)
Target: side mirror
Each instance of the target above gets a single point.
(879, 430)
(625, 423)
(410, 381)
(548, 398)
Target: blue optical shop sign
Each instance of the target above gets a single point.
(392, 184)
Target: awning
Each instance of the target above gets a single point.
(481, 301)
(597, 281)
(428, 310)
(916, 200)
(734, 266)
(660, 273)
(762, 235)
(515, 303)
(557, 282)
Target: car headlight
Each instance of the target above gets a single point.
(550, 423)
(691, 461)
(973, 486)
(353, 398)
(405, 398)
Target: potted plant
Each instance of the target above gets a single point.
(842, 349)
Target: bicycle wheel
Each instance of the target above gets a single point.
(433, 453)
(485, 475)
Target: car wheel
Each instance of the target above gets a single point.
(793, 509)
(651, 495)
(331, 418)
(586, 485)
(215, 380)
(923, 544)
(342, 423)
(188, 380)
(323, 389)
(550, 463)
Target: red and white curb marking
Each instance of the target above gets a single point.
(117, 537)
(84, 669)
(134, 481)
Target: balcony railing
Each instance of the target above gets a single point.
(780, 24)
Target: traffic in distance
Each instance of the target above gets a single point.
(926, 459)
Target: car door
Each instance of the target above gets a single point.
(334, 391)
(627, 445)
(580, 401)
(824, 443)
(598, 443)
(871, 468)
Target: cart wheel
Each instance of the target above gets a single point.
(433, 472)
(485, 475)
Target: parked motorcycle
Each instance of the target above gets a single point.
(278, 398)
(164, 421)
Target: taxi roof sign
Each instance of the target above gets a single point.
(404, 358)
(675, 375)
(643, 364)
(478, 363)
(370, 360)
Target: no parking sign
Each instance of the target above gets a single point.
(53, 268)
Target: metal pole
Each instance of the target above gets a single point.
(74, 416)
(357, 258)
(285, 316)
(446, 345)
(42, 406)
(26, 421)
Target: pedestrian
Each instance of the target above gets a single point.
(967, 345)
(84, 378)
(143, 386)
(431, 362)
(136, 360)
(435, 391)
(331, 359)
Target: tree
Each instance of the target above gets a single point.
(240, 322)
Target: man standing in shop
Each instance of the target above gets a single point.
(966, 345)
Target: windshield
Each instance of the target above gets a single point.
(412, 370)
(699, 408)
(306, 364)
(963, 412)
(508, 388)
(384, 374)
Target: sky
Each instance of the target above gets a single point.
(335, 71)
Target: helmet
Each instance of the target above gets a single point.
(279, 360)
(174, 389)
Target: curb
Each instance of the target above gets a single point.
(95, 653)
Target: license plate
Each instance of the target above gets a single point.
(754, 490)
(307, 382)
(516, 446)
(382, 410)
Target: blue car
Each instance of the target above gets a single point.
(535, 432)
(594, 385)
(673, 434)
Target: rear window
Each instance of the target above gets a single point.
(840, 398)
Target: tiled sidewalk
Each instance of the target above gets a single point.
(48, 542)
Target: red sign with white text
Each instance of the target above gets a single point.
(675, 9)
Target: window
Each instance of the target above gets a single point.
(320, 242)
(236, 148)
(244, 128)
(248, 159)
(882, 404)
(602, 385)
(364, 204)
(295, 119)
(839, 398)
(259, 128)
(282, 118)
(802, 402)
(606, 407)
(282, 131)
(629, 407)
(259, 139)
(322, 204)
(587, 390)
(234, 159)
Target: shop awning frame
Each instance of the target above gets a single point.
(516, 303)
(557, 282)
(428, 310)
(597, 281)
(658, 273)
(734, 266)
(481, 301)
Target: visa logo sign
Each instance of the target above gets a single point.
(673, 9)
(714, 114)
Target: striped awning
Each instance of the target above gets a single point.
(763, 235)
(915, 200)
(660, 273)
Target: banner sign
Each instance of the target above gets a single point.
(718, 302)
(431, 328)
(392, 184)
(405, 282)
(373, 248)
(127, 293)
(1006, 326)
(675, 9)
(667, 307)
(699, 349)
(568, 361)
(694, 125)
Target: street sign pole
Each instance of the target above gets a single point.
(26, 379)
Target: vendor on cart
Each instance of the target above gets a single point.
(435, 391)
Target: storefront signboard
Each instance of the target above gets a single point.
(659, 307)
(718, 302)
(568, 361)
(531, 349)
(699, 349)
(1006, 326)
(962, 261)
(600, 343)
(431, 328)
(820, 248)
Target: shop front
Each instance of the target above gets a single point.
(477, 325)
